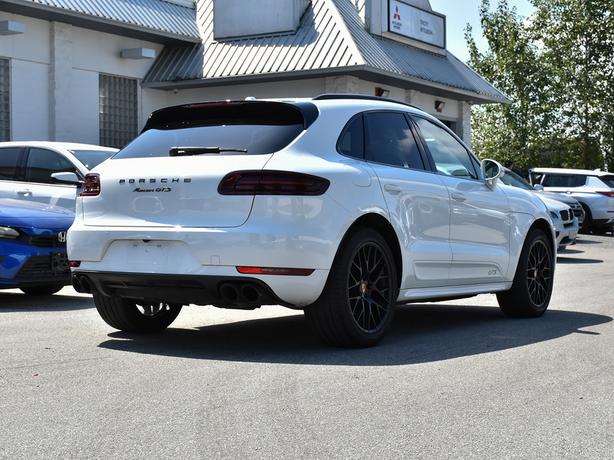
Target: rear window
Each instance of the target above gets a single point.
(608, 180)
(256, 127)
(92, 158)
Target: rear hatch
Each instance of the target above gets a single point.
(169, 175)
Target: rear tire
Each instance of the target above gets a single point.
(130, 316)
(532, 288)
(357, 305)
(40, 291)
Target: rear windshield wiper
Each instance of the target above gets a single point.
(188, 151)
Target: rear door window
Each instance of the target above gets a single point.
(9, 159)
(42, 163)
(390, 141)
(563, 180)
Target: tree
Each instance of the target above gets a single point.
(556, 67)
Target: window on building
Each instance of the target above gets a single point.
(118, 110)
(449, 155)
(5, 100)
(42, 163)
(390, 140)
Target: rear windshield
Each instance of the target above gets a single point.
(609, 180)
(242, 128)
(92, 158)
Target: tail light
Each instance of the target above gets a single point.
(91, 185)
(275, 271)
(608, 194)
(272, 183)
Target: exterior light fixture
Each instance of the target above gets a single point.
(138, 53)
(12, 28)
(381, 92)
(439, 106)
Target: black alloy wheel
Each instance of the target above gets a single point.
(539, 273)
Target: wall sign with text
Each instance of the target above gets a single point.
(416, 23)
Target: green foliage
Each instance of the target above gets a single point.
(557, 69)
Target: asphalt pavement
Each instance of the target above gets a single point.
(451, 380)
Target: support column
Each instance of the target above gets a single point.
(464, 118)
(60, 83)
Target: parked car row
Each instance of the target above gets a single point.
(342, 206)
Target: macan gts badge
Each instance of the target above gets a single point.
(342, 206)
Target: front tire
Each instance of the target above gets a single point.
(531, 291)
(357, 305)
(131, 316)
(40, 291)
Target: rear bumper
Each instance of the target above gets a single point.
(227, 292)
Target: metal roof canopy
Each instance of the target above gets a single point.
(331, 40)
(152, 20)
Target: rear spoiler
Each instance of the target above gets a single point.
(233, 112)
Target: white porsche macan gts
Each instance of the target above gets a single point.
(343, 206)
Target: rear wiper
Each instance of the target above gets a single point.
(187, 151)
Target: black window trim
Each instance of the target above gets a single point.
(428, 167)
(26, 155)
(454, 135)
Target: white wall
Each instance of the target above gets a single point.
(29, 101)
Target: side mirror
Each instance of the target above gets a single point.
(67, 177)
(491, 171)
(538, 187)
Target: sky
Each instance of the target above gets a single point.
(460, 12)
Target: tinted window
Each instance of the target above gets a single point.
(563, 180)
(449, 155)
(256, 139)
(390, 140)
(42, 163)
(8, 162)
(352, 139)
(92, 158)
(608, 180)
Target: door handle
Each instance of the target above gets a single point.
(458, 197)
(392, 188)
(24, 192)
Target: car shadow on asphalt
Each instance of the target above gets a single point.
(420, 334)
(14, 303)
(577, 260)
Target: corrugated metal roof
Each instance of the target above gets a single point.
(319, 43)
(156, 15)
(331, 35)
(395, 57)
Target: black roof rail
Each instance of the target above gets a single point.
(364, 97)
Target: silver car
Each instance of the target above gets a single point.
(593, 189)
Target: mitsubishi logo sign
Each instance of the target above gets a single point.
(397, 15)
(62, 237)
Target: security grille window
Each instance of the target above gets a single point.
(5, 105)
(118, 110)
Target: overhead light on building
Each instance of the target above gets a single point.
(138, 53)
(382, 92)
(439, 106)
(12, 28)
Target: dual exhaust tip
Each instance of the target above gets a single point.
(82, 285)
(241, 294)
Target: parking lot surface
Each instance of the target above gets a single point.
(451, 380)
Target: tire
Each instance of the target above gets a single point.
(587, 225)
(532, 287)
(40, 291)
(355, 309)
(126, 315)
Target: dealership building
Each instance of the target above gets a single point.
(92, 71)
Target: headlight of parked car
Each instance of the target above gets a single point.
(8, 232)
(554, 215)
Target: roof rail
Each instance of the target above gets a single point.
(364, 97)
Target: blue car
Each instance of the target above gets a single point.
(33, 247)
